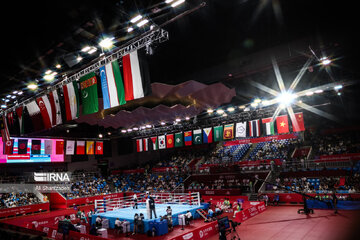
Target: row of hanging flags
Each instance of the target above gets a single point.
(223, 132)
(72, 147)
(118, 86)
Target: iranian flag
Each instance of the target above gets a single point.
(282, 124)
(35, 115)
(136, 76)
(154, 141)
(80, 147)
(139, 145)
(112, 85)
(99, 148)
(71, 99)
(19, 112)
(269, 125)
(55, 107)
(45, 110)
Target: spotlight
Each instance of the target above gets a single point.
(162, 123)
(13, 97)
(257, 100)
(15, 92)
(265, 102)
(210, 110)
(219, 111)
(85, 49)
(20, 93)
(123, 131)
(100, 135)
(254, 104)
(3, 106)
(48, 72)
(79, 58)
(242, 107)
(325, 61)
(177, 3)
(178, 120)
(224, 115)
(187, 118)
(142, 23)
(136, 19)
(130, 29)
(338, 87)
(231, 109)
(106, 43)
(58, 66)
(135, 128)
(32, 86)
(148, 126)
(319, 91)
(49, 77)
(129, 130)
(286, 98)
(109, 133)
(92, 50)
(309, 93)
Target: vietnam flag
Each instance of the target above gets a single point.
(99, 148)
(282, 124)
(170, 141)
(298, 122)
(59, 146)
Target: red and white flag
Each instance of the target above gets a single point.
(80, 147)
(99, 148)
(55, 108)
(139, 145)
(45, 110)
(19, 113)
(71, 99)
(9, 144)
(70, 147)
(146, 144)
(35, 115)
(136, 79)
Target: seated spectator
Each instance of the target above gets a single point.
(98, 222)
(276, 200)
(210, 214)
(238, 208)
(218, 211)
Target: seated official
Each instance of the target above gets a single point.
(140, 223)
(98, 222)
(276, 200)
(218, 211)
(188, 217)
(118, 226)
(210, 214)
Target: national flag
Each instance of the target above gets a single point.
(188, 138)
(45, 110)
(112, 85)
(70, 147)
(146, 144)
(4, 129)
(71, 99)
(136, 76)
(139, 145)
(35, 146)
(19, 113)
(48, 146)
(269, 125)
(162, 142)
(282, 124)
(197, 136)
(298, 122)
(99, 148)
(80, 147)
(170, 141)
(55, 107)
(228, 131)
(35, 115)
(179, 139)
(218, 133)
(59, 147)
(207, 135)
(22, 146)
(240, 130)
(89, 95)
(9, 145)
(254, 128)
(154, 141)
(10, 118)
(90, 147)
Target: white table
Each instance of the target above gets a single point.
(102, 232)
(81, 228)
(105, 223)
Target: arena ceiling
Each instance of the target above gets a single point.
(226, 42)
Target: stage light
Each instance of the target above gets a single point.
(177, 3)
(265, 102)
(219, 111)
(257, 100)
(148, 126)
(286, 98)
(178, 120)
(130, 29)
(135, 128)
(92, 50)
(32, 86)
(339, 93)
(49, 77)
(325, 61)
(8, 96)
(58, 66)
(162, 123)
(129, 130)
(100, 135)
(254, 104)
(15, 92)
(242, 107)
(338, 87)
(168, 1)
(13, 97)
(109, 133)
(187, 118)
(7, 100)
(319, 91)
(123, 131)
(3, 106)
(79, 58)
(20, 93)
(210, 110)
(136, 19)
(106, 43)
(224, 115)
(48, 72)
(142, 23)
(85, 49)
(309, 93)
(231, 109)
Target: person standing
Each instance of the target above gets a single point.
(135, 201)
(152, 206)
(334, 200)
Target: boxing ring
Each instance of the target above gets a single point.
(122, 208)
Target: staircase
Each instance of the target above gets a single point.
(252, 147)
(202, 213)
(253, 197)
